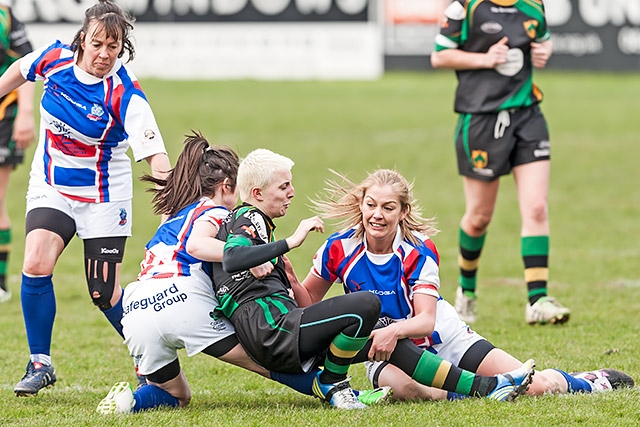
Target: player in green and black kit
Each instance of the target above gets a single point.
(493, 45)
(272, 329)
(17, 128)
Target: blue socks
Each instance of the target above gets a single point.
(456, 396)
(39, 311)
(302, 383)
(150, 396)
(114, 315)
(576, 385)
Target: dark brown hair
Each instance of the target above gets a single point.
(200, 169)
(115, 22)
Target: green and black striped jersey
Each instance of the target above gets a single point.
(476, 25)
(249, 241)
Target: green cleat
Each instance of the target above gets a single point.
(377, 396)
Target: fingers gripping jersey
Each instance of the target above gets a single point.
(476, 25)
(394, 277)
(166, 254)
(87, 124)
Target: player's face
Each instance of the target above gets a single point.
(100, 51)
(381, 214)
(276, 198)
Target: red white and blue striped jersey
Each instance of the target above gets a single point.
(86, 126)
(394, 278)
(166, 254)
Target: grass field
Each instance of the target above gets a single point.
(404, 121)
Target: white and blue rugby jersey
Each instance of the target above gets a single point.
(166, 254)
(394, 277)
(87, 124)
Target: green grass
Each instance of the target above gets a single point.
(403, 121)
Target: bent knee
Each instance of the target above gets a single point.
(185, 400)
(547, 381)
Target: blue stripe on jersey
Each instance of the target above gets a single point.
(103, 170)
(169, 242)
(343, 258)
(70, 177)
(75, 103)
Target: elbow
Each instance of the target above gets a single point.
(227, 265)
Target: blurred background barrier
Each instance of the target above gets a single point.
(326, 39)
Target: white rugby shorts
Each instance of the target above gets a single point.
(93, 220)
(161, 316)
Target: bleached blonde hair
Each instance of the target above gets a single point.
(258, 168)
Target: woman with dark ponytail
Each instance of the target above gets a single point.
(168, 307)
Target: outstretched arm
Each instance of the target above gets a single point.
(11, 79)
(242, 257)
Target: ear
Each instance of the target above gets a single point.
(405, 212)
(256, 193)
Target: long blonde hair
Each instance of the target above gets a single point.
(343, 199)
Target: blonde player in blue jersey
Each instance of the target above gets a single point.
(385, 249)
(493, 46)
(92, 111)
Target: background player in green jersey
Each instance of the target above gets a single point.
(17, 128)
(493, 46)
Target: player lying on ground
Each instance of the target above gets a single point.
(273, 329)
(385, 249)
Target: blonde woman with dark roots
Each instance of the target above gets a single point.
(385, 248)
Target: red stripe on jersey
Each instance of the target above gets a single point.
(429, 243)
(48, 58)
(79, 199)
(426, 286)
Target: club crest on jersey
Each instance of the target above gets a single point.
(491, 27)
(96, 113)
(479, 158)
(531, 27)
(149, 134)
(123, 216)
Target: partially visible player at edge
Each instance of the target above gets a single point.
(493, 46)
(17, 129)
(92, 110)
